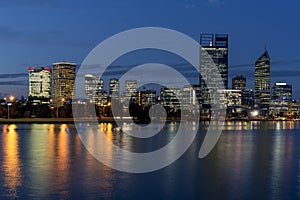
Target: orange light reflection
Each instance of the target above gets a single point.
(11, 163)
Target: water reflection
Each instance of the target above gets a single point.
(49, 162)
(62, 160)
(258, 125)
(92, 172)
(38, 157)
(11, 161)
(278, 162)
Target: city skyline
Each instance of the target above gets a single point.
(160, 99)
(214, 45)
(239, 99)
(33, 37)
(106, 86)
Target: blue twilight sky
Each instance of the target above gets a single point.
(40, 32)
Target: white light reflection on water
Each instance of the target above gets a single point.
(258, 125)
(278, 161)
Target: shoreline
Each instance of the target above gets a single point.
(103, 120)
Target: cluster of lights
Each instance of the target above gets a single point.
(11, 98)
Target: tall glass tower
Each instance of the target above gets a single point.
(262, 82)
(216, 46)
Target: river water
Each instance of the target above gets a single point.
(252, 160)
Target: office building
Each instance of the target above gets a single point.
(239, 82)
(190, 97)
(214, 48)
(93, 86)
(262, 82)
(146, 98)
(39, 82)
(282, 91)
(278, 107)
(114, 89)
(248, 99)
(101, 98)
(64, 74)
(170, 98)
(233, 98)
(294, 109)
(130, 91)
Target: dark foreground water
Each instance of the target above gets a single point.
(257, 160)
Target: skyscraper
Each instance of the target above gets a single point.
(262, 81)
(239, 82)
(114, 88)
(93, 86)
(216, 47)
(39, 82)
(63, 80)
(130, 90)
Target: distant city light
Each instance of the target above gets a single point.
(254, 113)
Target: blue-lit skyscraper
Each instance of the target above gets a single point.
(216, 46)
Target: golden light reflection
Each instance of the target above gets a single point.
(109, 133)
(62, 159)
(38, 159)
(58, 152)
(109, 127)
(110, 137)
(51, 141)
(93, 139)
(11, 163)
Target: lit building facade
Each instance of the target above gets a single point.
(294, 109)
(130, 91)
(114, 89)
(278, 107)
(39, 82)
(170, 97)
(190, 97)
(282, 91)
(64, 74)
(101, 98)
(233, 98)
(146, 98)
(248, 99)
(93, 86)
(262, 82)
(239, 82)
(216, 46)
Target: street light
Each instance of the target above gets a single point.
(11, 98)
